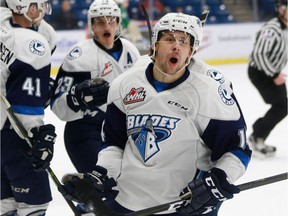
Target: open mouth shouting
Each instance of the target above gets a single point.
(173, 60)
(107, 35)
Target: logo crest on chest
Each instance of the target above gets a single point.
(108, 68)
(135, 95)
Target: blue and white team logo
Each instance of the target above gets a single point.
(216, 75)
(147, 131)
(75, 53)
(37, 47)
(225, 96)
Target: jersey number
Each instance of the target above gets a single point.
(242, 137)
(64, 84)
(32, 87)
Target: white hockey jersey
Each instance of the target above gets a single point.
(85, 61)
(49, 33)
(45, 29)
(25, 72)
(158, 141)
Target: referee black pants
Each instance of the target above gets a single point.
(271, 94)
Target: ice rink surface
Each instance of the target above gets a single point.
(269, 200)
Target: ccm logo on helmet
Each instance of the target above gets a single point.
(180, 21)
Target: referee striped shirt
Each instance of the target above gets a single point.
(270, 49)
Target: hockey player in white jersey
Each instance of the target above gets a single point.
(25, 72)
(170, 131)
(104, 56)
(81, 101)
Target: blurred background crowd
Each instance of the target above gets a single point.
(72, 14)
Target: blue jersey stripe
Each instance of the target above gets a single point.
(28, 110)
(244, 158)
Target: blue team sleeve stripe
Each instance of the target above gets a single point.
(28, 110)
(244, 158)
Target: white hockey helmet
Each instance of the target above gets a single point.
(22, 6)
(100, 8)
(180, 22)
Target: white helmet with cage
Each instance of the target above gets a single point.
(101, 8)
(22, 7)
(180, 22)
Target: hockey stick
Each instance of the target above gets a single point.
(242, 187)
(24, 133)
(93, 199)
(144, 13)
(204, 16)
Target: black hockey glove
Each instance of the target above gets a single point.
(206, 192)
(103, 184)
(88, 94)
(51, 90)
(74, 186)
(43, 139)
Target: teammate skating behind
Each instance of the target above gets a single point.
(104, 56)
(169, 131)
(25, 72)
(83, 82)
(266, 65)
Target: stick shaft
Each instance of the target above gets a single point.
(243, 187)
(264, 181)
(15, 119)
(144, 12)
(24, 133)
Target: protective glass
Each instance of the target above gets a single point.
(172, 37)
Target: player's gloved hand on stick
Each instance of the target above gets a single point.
(42, 139)
(70, 184)
(88, 94)
(51, 90)
(103, 184)
(206, 193)
(74, 185)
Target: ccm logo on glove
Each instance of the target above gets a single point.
(214, 190)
